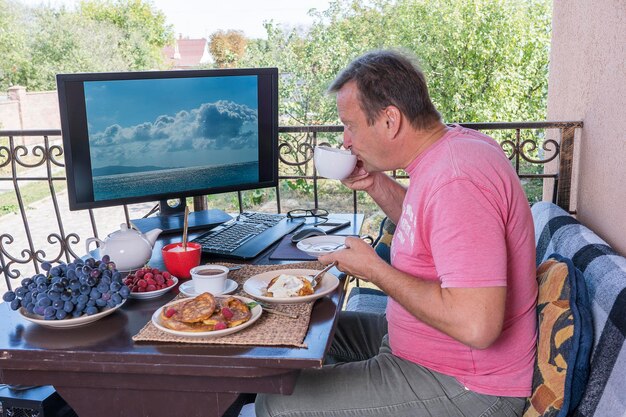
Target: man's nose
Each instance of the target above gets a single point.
(347, 141)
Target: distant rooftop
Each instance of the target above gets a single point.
(187, 53)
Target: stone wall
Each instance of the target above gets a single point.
(21, 110)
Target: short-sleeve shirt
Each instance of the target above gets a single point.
(465, 223)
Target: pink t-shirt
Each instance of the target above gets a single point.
(466, 223)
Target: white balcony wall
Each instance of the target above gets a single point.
(588, 82)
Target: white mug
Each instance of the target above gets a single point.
(209, 278)
(333, 163)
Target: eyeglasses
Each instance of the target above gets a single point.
(300, 213)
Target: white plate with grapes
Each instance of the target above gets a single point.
(69, 295)
(68, 322)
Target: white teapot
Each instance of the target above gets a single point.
(128, 248)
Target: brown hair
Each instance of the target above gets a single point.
(388, 77)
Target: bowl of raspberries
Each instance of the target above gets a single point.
(149, 282)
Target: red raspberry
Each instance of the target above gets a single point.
(170, 312)
(151, 287)
(148, 275)
(169, 282)
(159, 279)
(140, 273)
(227, 313)
(166, 275)
(220, 326)
(142, 283)
(155, 271)
(150, 281)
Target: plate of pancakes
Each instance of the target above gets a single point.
(207, 316)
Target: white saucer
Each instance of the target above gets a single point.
(187, 288)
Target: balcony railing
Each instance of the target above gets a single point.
(539, 151)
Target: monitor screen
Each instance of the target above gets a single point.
(146, 136)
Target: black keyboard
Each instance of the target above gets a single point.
(247, 235)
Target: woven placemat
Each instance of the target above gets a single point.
(269, 329)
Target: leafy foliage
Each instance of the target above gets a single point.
(143, 27)
(63, 42)
(13, 40)
(227, 47)
(485, 60)
(37, 43)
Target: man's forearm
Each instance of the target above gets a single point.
(389, 195)
(473, 316)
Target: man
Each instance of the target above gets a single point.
(459, 333)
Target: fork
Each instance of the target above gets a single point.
(317, 277)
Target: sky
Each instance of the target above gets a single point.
(165, 121)
(200, 18)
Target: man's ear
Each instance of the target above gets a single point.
(393, 120)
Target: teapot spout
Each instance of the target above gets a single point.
(152, 235)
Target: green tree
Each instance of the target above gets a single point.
(64, 42)
(486, 60)
(13, 43)
(144, 29)
(115, 35)
(227, 47)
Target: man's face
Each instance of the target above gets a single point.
(367, 142)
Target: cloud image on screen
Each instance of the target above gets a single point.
(166, 135)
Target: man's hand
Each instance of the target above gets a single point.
(358, 259)
(360, 179)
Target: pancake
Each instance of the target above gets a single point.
(231, 311)
(226, 313)
(196, 309)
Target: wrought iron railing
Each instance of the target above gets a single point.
(541, 151)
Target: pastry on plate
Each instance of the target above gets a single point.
(285, 285)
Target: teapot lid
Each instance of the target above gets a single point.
(125, 233)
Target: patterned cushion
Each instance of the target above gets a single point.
(564, 340)
(382, 245)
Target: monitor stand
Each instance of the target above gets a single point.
(172, 219)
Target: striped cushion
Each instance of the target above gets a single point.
(604, 272)
(367, 299)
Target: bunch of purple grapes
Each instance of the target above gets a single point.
(70, 290)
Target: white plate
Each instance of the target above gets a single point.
(188, 289)
(256, 313)
(256, 286)
(320, 245)
(68, 323)
(153, 294)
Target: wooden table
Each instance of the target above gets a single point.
(100, 371)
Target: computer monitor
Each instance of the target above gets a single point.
(133, 137)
